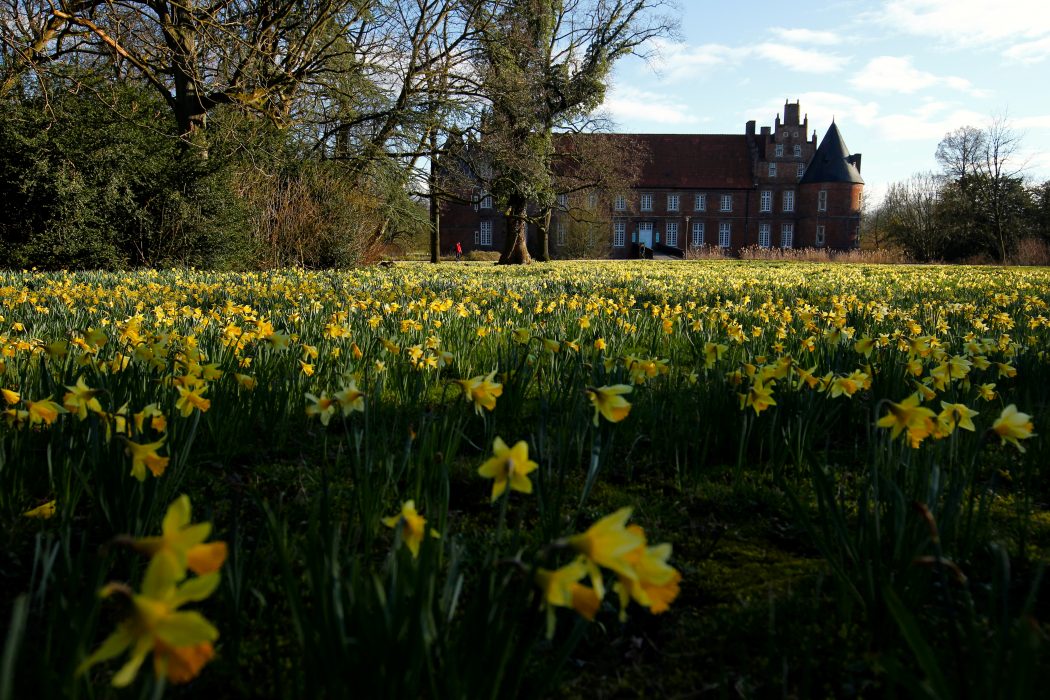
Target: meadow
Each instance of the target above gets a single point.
(593, 480)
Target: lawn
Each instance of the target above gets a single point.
(592, 480)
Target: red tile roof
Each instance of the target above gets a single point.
(694, 161)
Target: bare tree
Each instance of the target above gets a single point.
(910, 213)
(544, 64)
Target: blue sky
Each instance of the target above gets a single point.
(895, 74)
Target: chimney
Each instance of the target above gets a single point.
(791, 114)
(765, 131)
(749, 129)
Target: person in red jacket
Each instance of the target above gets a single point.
(459, 251)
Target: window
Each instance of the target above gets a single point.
(700, 201)
(801, 170)
(727, 202)
(789, 200)
(698, 233)
(822, 200)
(672, 234)
(563, 201)
(780, 150)
(647, 202)
(477, 238)
(820, 236)
(592, 199)
(763, 235)
(723, 234)
(785, 134)
(619, 233)
(559, 230)
(772, 169)
(672, 202)
(794, 134)
(621, 203)
(486, 201)
(766, 202)
(798, 151)
(486, 234)
(787, 235)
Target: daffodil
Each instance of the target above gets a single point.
(508, 467)
(482, 391)
(350, 398)
(181, 641)
(323, 407)
(143, 456)
(909, 415)
(44, 411)
(184, 541)
(190, 399)
(957, 415)
(1012, 425)
(42, 512)
(608, 401)
(413, 526)
(81, 398)
(561, 588)
(606, 543)
(10, 397)
(655, 584)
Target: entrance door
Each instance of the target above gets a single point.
(645, 234)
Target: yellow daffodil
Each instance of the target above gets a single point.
(143, 456)
(608, 401)
(508, 466)
(81, 398)
(350, 398)
(184, 541)
(45, 411)
(181, 641)
(655, 584)
(759, 397)
(43, 512)
(606, 543)
(561, 588)
(957, 415)
(482, 391)
(413, 526)
(10, 397)
(190, 399)
(323, 407)
(1012, 425)
(910, 416)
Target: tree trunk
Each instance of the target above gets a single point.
(191, 111)
(435, 210)
(544, 236)
(515, 247)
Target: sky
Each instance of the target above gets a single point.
(896, 75)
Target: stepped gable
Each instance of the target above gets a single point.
(832, 162)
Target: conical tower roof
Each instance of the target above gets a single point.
(831, 162)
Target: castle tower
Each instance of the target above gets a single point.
(830, 195)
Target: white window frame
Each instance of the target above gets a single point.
(486, 200)
(801, 170)
(764, 236)
(779, 151)
(765, 203)
(559, 232)
(592, 199)
(725, 234)
(787, 235)
(772, 169)
(700, 201)
(619, 233)
(822, 200)
(726, 203)
(671, 233)
(647, 202)
(797, 151)
(485, 240)
(822, 238)
(672, 202)
(621, 203)
(563, 201)
(789, 200)
(698, 234)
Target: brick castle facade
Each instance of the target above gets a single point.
(772, 188)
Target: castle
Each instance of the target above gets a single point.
(771, 188)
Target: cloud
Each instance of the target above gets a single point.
(972, 23)
(1040, 121)
(821, 108)
(630, 104)
(680, 61)
(1029, 51)
(807, 36)
(802, 60)
(887, 74)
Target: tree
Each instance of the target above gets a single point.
(543, 64)
(910, 216)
